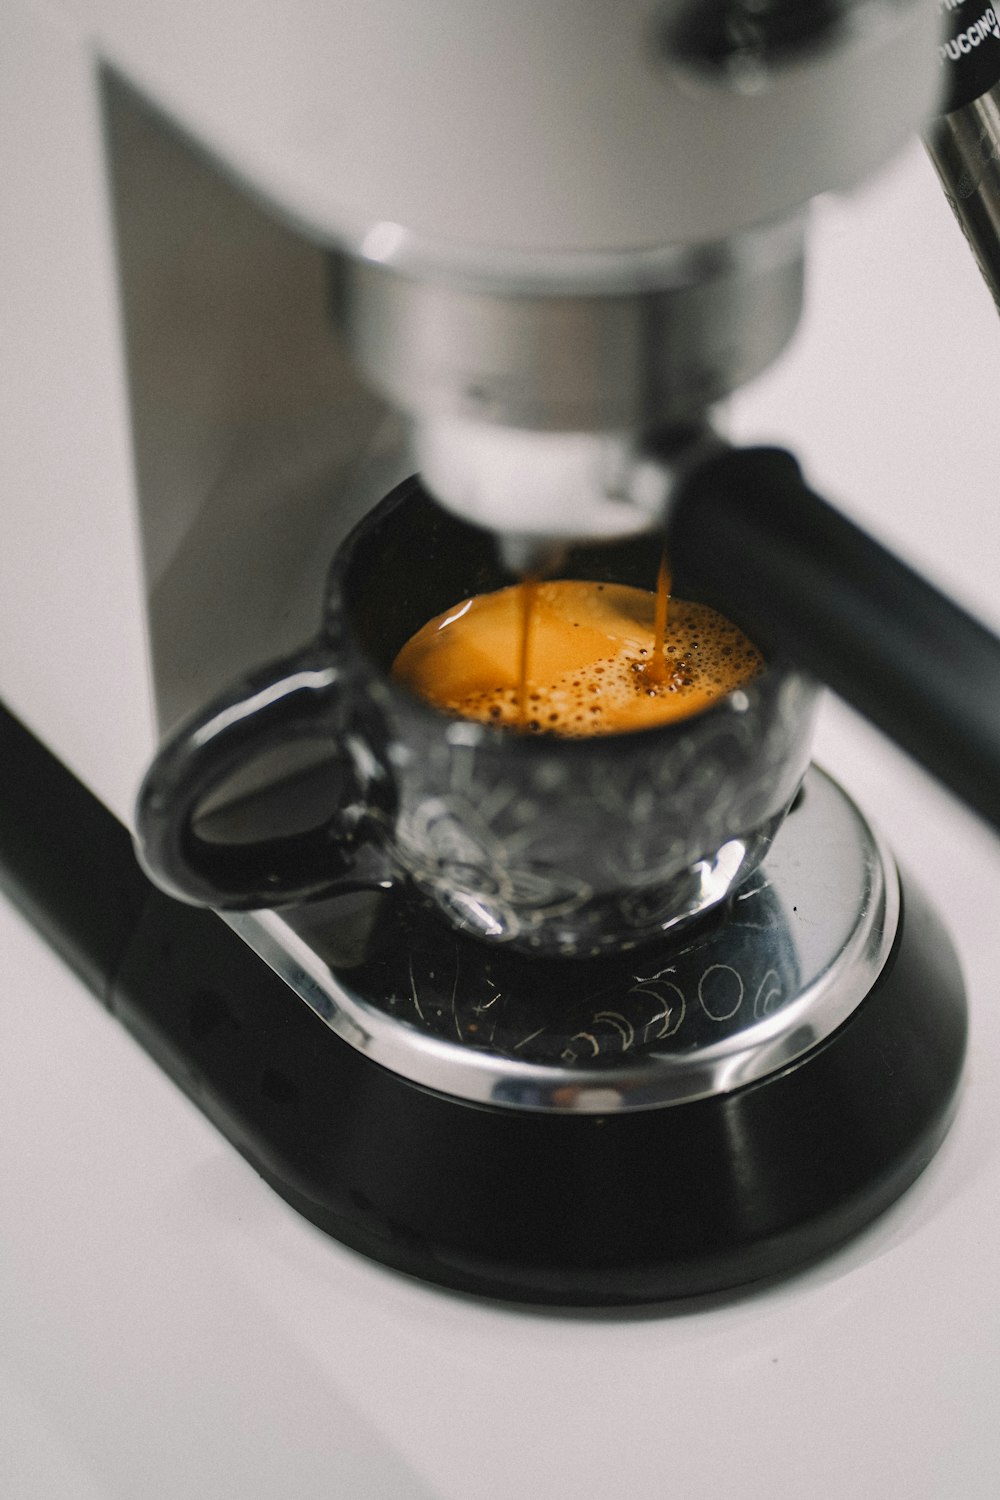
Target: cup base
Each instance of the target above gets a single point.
(609, 926)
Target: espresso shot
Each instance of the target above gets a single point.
(576, 657)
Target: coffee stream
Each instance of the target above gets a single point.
(654, 672)
(529, 594)
(576, 658)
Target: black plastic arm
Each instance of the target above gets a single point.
(752, 539)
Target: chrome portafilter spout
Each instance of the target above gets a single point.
(655, 471)
(529, 387)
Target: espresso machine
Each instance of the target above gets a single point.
(259, 274)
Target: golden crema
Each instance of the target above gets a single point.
(574, 658)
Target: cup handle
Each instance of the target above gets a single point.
(298, 697)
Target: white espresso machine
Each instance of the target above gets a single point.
(551, 235)
(259, 268)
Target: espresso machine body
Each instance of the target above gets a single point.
(543, 223)
(256, 275)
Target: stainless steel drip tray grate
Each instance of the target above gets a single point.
(724, 1002)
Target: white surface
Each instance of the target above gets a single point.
(168, 1328)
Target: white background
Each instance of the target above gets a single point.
(169, 1328)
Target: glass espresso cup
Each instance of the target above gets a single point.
(554, 845)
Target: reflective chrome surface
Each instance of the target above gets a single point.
(560, 378)
(723, 1004)
(965, 148)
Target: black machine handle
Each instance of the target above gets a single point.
(756, 541)
(300, 697)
